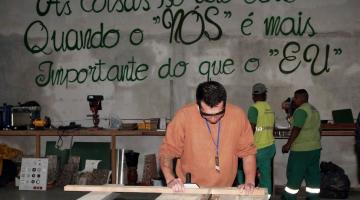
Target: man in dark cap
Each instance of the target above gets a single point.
(262, 119)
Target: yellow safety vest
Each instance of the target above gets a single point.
(309, 136)
(264, 126)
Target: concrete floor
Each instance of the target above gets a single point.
(354, 194)
(12, 193)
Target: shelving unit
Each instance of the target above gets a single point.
(83, 132)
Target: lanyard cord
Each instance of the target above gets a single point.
(218, 136)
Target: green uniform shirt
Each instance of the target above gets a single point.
(252, 114)
(307, 118)
(262, 115)
(299, 118)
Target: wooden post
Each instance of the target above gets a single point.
(113, 159)
(37, 145)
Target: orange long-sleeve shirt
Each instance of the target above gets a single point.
(187, 138)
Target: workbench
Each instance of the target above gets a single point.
(327, 130)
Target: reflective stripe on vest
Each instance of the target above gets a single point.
(264, 128)
(291, 191)
(312, 190)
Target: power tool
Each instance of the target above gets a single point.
(42, 123)
(95, 106)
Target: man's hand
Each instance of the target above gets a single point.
(286, 148)
(295, 131)
(247, 188)
(176, 185)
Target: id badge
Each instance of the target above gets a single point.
(217, 163)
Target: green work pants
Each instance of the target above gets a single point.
(264, 158)
(303, 165)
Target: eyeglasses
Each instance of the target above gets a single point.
(212, 114)
(207, 116)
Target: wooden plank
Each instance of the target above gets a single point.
(159, 189)
(112, 196)
(183, 197)
(208, 197)
(285, 133)
(81, 132)
(338, 126)
(85, 132)
(337, 133)
(37, 145)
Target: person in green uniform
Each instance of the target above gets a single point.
(304, 146)
(262, 119)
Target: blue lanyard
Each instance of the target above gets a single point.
(218, 136)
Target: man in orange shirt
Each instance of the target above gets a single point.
(207, 138)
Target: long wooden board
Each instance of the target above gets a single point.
(183, 197)
(208, 197)
(159, 189)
